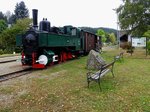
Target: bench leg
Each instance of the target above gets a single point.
(112, 71)
(99, 85)
(88, 83)
(88, 79)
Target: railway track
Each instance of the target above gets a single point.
(15, 74)
(8, 61)
(9, 56)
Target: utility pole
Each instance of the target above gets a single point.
(146, 46)
(118, 32)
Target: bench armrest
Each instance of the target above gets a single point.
(107, 65)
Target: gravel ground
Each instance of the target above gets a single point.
(10, 58)
(11, 67)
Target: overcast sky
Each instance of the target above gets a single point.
(92, 13)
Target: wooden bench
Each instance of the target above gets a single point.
(119, 57)
(98, 75)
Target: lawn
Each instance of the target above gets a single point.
(63, 88)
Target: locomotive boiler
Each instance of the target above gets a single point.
(44, 45)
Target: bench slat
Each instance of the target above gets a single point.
(104, 72)
(97, 74)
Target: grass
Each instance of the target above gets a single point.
(63, 88)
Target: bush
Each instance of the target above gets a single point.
(8, 50)
(129, 47)
(7, 37)
(1, 52)
(18, 49)
(148, 47)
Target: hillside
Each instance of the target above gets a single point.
(94, 30)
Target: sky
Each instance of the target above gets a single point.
(91, 13)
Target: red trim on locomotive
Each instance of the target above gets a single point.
(64, 56)
(22, 58)
(34, 64)
(69, 55)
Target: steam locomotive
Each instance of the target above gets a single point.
(47, 45)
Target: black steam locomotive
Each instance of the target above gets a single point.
(47, 45)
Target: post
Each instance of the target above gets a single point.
(146, 46)
(131, 47)
(118, 32)
(118, 35)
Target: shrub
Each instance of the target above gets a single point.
(18, 49)
(129, 47)
(1, 52)
(148, 47)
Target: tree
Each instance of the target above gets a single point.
(7, 37)
(8, 16)
(3, 25)
(147, 34)
(23, 25)
(134, 16)
(12, 19)
(21, 11)
(101, 33)
(2, 16)
(112, 38)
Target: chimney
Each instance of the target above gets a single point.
(35, 18)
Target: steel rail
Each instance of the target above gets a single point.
(7, 61)
(15, 74)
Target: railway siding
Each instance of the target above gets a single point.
(10, 58)
(6, 68)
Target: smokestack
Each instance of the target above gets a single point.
(35, 18)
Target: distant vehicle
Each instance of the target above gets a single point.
(48, 45)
